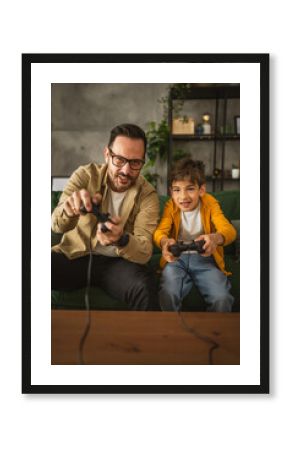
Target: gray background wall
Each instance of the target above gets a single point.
(84, 114)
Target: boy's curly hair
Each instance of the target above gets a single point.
(188, 169)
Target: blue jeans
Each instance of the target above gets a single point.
(191, 268)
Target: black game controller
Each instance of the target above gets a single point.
(179, 247)
(102, 218)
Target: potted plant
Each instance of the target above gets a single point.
(158, 137)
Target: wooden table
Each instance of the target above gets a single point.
(129, 337)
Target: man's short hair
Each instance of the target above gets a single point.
(189, 170)
(129, 130)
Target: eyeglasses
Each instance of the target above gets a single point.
(120, 161)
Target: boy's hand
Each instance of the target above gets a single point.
(212, 241)
(165, 243)
(114, 233)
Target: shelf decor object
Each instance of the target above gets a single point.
(206, 124)
(216, 172)
(183, 125)
(235, 172)
(237, 124)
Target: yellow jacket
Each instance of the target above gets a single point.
(213, 221)
(139, 214)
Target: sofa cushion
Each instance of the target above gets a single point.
(236, 224)
(55, 196)
(230, 203)
(76, 300)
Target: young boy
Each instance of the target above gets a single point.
(192, 214)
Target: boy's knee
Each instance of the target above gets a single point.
(167, 304)
(221, 304)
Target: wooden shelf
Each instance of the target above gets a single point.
(205, 137)
(220, 93)
(211, 178)
(217, 91)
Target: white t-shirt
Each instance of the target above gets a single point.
(190, 225)
(115, 201)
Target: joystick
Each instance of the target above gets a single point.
(179, 247)
(102, 218)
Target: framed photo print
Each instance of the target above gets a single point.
(141, 198)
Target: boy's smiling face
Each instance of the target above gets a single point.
(186, 194)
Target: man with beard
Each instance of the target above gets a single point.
(118, 265)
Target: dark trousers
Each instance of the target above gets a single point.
(133, 283)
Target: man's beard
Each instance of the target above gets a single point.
(116, 184)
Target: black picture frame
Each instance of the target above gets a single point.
(263, 61)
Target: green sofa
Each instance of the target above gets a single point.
(230, 203)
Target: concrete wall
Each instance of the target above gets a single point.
(84, 114)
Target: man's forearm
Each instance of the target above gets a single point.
(138, 250)
(60, 222)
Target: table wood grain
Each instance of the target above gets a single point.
(130, 337)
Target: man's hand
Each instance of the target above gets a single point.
(78, 199)
(114, 233)
(212, 241)
(165, 243)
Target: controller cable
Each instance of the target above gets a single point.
(84, 336)
(124, 239)
(88, 309)
(196, 334)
